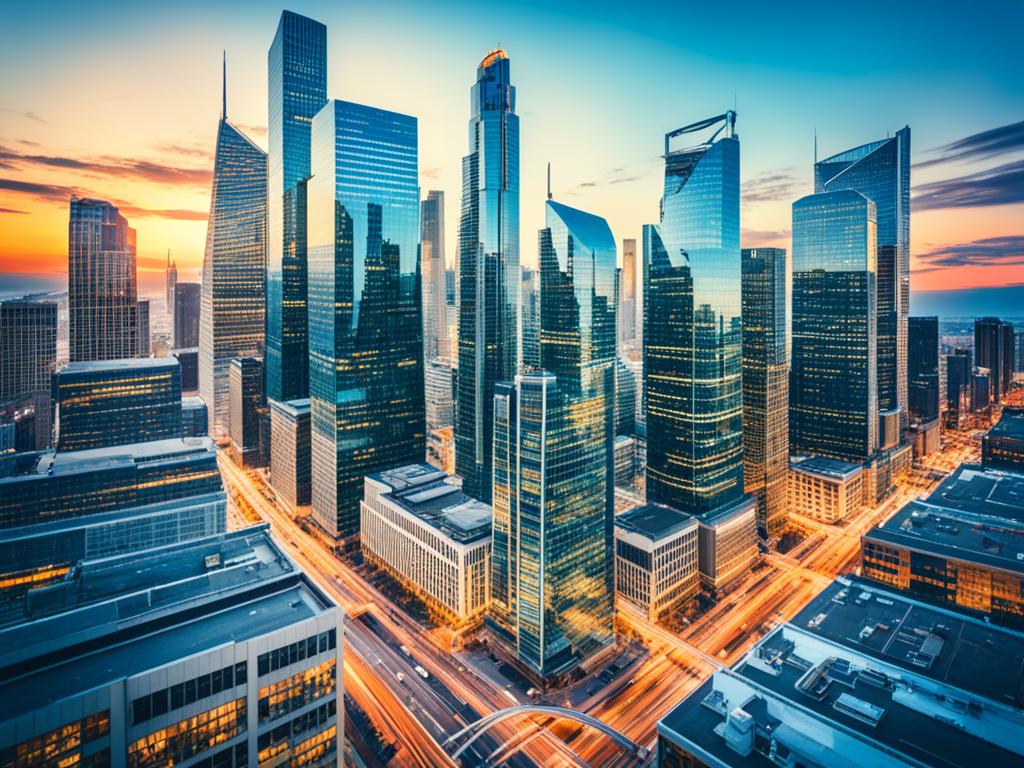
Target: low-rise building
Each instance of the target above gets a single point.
(194, 419)
(290, 450)
(656, 558)
(1003, 446)
(218, 652)
(727, 544)
(188, 358)
(825, 489)
(860, 677)
(441, 449)
(926, 437)
(422, 529)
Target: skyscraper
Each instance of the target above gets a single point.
(693, 347)
(958, 387)
(187, 297)
(530, 317)
(923, 368)
(103, 310)
(628, 292)
(552, 557)
(297, 64)
(880, 171)
(993, 349)
(170, 280)
(234, 266)
(432, 258)
(833, 395)
(144, 342)
(765, 385)
(365, 318)
(28, 355)
(245, 390)
(488, 267)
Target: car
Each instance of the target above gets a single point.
(406, 651)
(421, 672)
(400, 676)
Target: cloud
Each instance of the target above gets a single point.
(39, 191)
(753, 238)
(770, 186)
(196, 150)
(1002, 185)
(175, 214)
(431, 173)
(252, 130)
(990, 143)
(11, 210)
(27, 114)
(54, 193)
(109, 166)
(1004, 251)
(615, 176)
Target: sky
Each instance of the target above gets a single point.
(121, 101)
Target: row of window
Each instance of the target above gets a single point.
(176, 696)
(286, 655)
(59, 747)
(232, 757)
(307, 721)
(180, 741)
(295, 692)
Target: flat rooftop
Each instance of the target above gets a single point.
(1010, 424)
(293, 408)
(45, 463)
(123, 364)
(193, 401)
(654, 521)
(425, 492)
(257, 588)
(833, 469)
(979, 491)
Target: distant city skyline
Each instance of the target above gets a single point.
(149, 150)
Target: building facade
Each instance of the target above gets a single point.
(103, 309)
(297, 79)
(923, 368)
(28, 356)
(765, 385)
(1002, 447)
(489, 289)
(825, 489)
(530, 317)
(195, 421)
(117, 402)
(993, 349)
(187, 302)
(628, 290)
(290, 461)
(188, 359)
(232, 314)
(245, 390)
(432, 261)
(365, 321)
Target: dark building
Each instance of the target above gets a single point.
(1003, 446)
(117, 402)
(958, 388)
(993, 349)
(246, 395)
(290, 463)
(28, 354)
(194, 417)
(923, 368)
(188, 359)
(187, 298)
(981, 389)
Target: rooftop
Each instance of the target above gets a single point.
(293, 408)
(1010, 424)
(193, 401)
(979, 491)
(124, 364)
(833, 469)
(654, 521)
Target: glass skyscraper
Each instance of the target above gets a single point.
(232, 320)
(552, 557)
(28, 356)
(365, 322)
(880, 171)
(488, 267)
(297, 76)
(765, 385)
(832, 389)
(435, 314)
(923, 368)
(186, 315)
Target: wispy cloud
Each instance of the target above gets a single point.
(109, 166)
(252, 130)
(1002, 185)
(27, 114)
(54, 193)
(978, 146)
(781, 184)
(430, 173)
(753, 238)
(1005, 251)
(614, 176)
(198, 151)
(11, 210)
(38, 191)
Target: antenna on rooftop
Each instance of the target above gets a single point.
(224, 88)
(549, 180)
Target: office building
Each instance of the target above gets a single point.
(194, 417)
(993, 349)
(625, 398)
(170, 280)
(765, 385)
(59, 508)
(441, 449)
(880, 171)
(297, 78)
(656, 559)
(103, 308)
(833, 402)
(117, 402)
(245, 390)
(860, 677)
(958, 388)
(290, 461)
(219, 652)
(188, 359)
(982, 383)
(1002, 447)
(625, 461)
(365, 318)
(439, 389)
(926, 437)
(489, 275)
(232, 319)
(825, 489)
(693, 344)
(187, 297)
(432, 261)
(25, 422)
(923, 368)
(553, 575)
(144, 336)
(28, 356)
(431, 537)
(1018, 354)
(530, 317)
(628, 293)
(962, 546)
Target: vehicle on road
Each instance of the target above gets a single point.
(421, 672)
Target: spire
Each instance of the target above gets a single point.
(224, 89)
(168, 258)
(549, 180)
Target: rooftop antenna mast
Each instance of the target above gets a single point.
(224, 88)
(815, 145)
(549, 180)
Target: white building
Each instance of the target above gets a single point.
(422, 529)
(655, 558)
(727, 544)
(825, 489)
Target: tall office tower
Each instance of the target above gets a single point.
(245, 389)
(1018, 350)
(232, 315)
(923, 368)
(194, 417)
(432, 259)
(958, 387)
(833, 397)
(103, 309)
(552, 557)
(530, 317)
(765, 385)
(144, 339)
(488, 268)
(365, 317)
(297, 64)
(28, 355)
(189, 361)
(187, 297)
(170, 280)
(439, 392)
(625, 398)
(881, 172)
(289, 450)
(117, 402)
(628, 292)
(993, 349)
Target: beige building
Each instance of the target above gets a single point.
(825, 489)
(727, 544)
